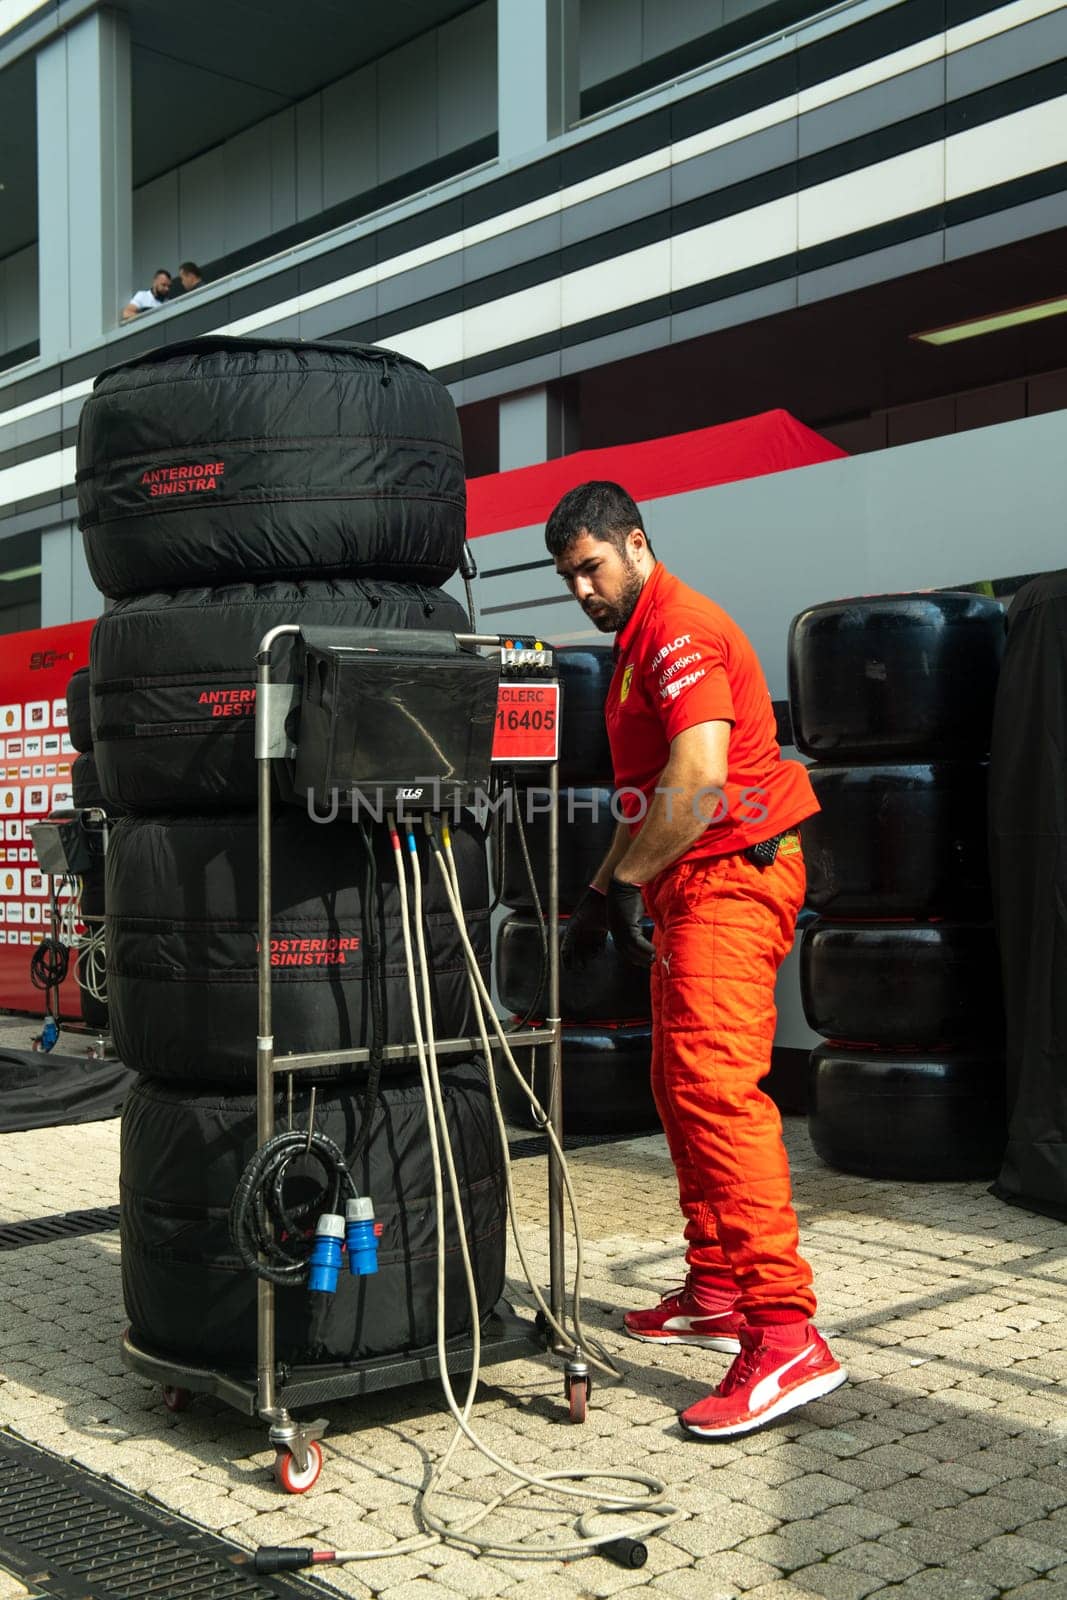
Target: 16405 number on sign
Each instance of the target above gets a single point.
(527, 722)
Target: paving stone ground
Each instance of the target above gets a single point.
(938, 1473)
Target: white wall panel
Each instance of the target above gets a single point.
(892, 188)
(349, 136)
(18, 298)
(608, 286)
(7, 340)
(407, 107)
(202, 197)
(466, 78)
(309, 157)
(283, 170)
(432, 96)
(762, 234)
(666, 24)
(610, 39)
(247, 186)
(155, 229)
(1025, 141)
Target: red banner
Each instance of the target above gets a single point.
(774, 441)
(35, 760)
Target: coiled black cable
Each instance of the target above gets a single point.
(271, 1236)
(49, 964)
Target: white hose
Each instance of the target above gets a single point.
(657, 1513)
(580, 1341)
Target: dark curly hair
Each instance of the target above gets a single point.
(603, 510)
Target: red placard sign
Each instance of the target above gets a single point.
(35, 759)
(527, 722)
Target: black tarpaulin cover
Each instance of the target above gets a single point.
(50, 1091)
(1028, 841)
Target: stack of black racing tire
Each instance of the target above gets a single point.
(892, 698)
(227, 486)
(607, 1035)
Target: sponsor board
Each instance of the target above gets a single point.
(36, 753)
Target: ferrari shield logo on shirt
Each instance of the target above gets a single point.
(624, 688)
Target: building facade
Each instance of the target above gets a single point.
(596, 220)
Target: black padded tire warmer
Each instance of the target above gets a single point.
(182, 941)
(219, 459)
(607, 990)
(926, 1118)
(85, 786)
(174, 679)
(185, 1287)
(606, 1082)
(78, 724)
(896, 675)
(901, 985)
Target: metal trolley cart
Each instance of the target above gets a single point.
(274, 1393)
(67, 845)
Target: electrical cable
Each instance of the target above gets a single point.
(376, 964)
(542, 928)
(49, 963)
(269, 1234)
(498, 858)
(651, 1504)
(580, 1340)
(90, 959)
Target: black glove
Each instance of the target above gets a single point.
(625, 911)
(586, 932)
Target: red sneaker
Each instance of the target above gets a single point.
(777, 1370)
(680, 1318)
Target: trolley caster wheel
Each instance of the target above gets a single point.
(578, 1390)
(288, 1475)
(176, 1399)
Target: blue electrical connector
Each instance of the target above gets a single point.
(360, 1237)
(49, 1034)
(326, 1256)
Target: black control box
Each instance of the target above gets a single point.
(67, 842)
(392, 720)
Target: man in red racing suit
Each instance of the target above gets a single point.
(709, 846)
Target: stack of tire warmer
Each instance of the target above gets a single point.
(227, 486)
(607, 1037)
(892, 698)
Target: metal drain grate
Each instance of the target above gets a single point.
(68, 1225)
(65, 1533)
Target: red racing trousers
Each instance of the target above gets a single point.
(723, 926)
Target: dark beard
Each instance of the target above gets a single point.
(610, 618)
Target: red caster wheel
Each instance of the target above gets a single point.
(578, 1398)
(176, 1399)
(288, 1475)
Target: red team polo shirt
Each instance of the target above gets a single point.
(681, 660)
